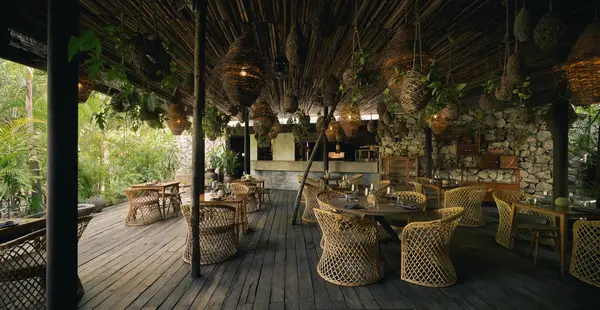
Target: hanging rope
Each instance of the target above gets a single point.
(449, 77)
(417, 38)
(516, 6)
(506, 42)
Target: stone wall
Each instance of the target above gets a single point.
(185, 146)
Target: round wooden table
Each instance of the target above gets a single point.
(379, 211)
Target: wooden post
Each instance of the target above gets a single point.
(310, 161)
(61, 265)
(560, 149)
(598, 174)
(428, 152)
(247, 141)
(198, 138)
(325, 153)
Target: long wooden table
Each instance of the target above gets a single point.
(162, 187)
(563, 215)
(260, 186)
(25, 226)
(237, 201)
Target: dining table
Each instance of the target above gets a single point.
(384, 207)
(21, 227)
(563, 215)
(439, 187)
(259, 183)
(162, 187)
(237, 201)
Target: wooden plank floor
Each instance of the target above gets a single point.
(141, 268)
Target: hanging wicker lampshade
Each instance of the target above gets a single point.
(582, 68)
(331, 86)
(438, 125)
(398, 56)
(413, 95)
(290, 103)
(261, 110)
(515, 68)
(372, 126)
(504, 88)
(521, 28)
(323, 21)
(449, 112)
(548, 32)
(485, 101)
(332, 129)
(276, 127)
(176, 119)
(84, 88)
(296, 47)
(320, 123)
(340, 136)
(242, 72)
(350, 118)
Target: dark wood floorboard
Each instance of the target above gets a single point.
(125, 267)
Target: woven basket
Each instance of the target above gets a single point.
(176, 119)
(439, 125)
(350, 118)
(521, 28)
(504, 88)
(242, 72)
(349, 77)
(386, 118)
(485, 101)
(515, 68)
(331, 86)
(413, 96)
(399, 53)
(548, 32)
(296, 47)
(151, 58)
(290, 103)
(275, 128)
(449, 112)
(332, 129)
(381, 107)
(261, 110)
(372, 126)
(84, 88)
(323, 21)
(582, 68)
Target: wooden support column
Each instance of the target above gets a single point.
(428, 152)
(247, 141)
(61, 268)
(198, 138)
(560, 149)
(325, 153)
(598, 174)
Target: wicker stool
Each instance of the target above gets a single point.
(586, 252)
(218, 240)
(144, 206)
(425, 258)
(351, 253)
(470, 198)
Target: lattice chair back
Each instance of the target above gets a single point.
(324, 197)
(509, 196)
(245, 189)
(505, 220)
(356, 179)
(23, 272)
(412, 196)
(311, 181)
(585, 262)
(351, 254)
(418, 187)
(380, 188)
(470, 198)
(144, 206)
(425, 257)
(82, 223)
(310, 202)
(218, 241)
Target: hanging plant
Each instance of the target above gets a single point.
(296, 47)
(360, 75)
(486, 100)
(323, 21)
(149, 109)
(151, 57)
(398, 56)
(290, 103)
(242, 72)
(214, 123)
(521, 28)
(582, 68)
(262, 141)
(548, 32)
(331, 86)
(301, 126)
(303, 119)
(350, 118)
(444, 95)
(523, 92)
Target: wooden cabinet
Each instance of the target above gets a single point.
(467, 149)
(398, 170)
(509, 162)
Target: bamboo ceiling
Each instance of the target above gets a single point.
(476, 26)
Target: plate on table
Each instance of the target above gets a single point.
(6, 224)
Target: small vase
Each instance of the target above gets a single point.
(228, 178)
(211, 174)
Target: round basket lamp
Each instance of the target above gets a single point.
(84, 89)
(242, 73)
(332, 129)
(582, 69)
(350, 118)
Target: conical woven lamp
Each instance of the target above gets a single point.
(350, 118)
(332, 129)
(242, 72)
(176, 119)
(399, 56)
(582, 68)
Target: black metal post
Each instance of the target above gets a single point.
(325, 153)
(61, 268)
(247, 141)
(560, 149)
(428, 153)
(598, 173)
(198, 138)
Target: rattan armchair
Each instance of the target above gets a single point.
(144, 206)
(418, 187)
(310, 202)
(425, 258)
(586, 252)
(351, 253)
(250, 190)
(470, 198)
(218, 240)
(173, 201)
(430, 193)
(310, 181)
(397, 222)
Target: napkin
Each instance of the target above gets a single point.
(8, 224)
(408, 207)
(352, 206)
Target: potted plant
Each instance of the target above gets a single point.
(214, 123)
(228, 164)
(213, 157)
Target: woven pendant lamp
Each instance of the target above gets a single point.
(84, 89)
(582, 68)
(176, 118)
(332, 129)
(242, 72)
(296, 47)
(350, 118)
(331, 86)
(413, 94)
(372, 126)
(290, 103)
(548, 32)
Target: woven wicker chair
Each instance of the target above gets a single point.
(310, 202)
(586, 252)
(144, 206)
(323, 200)
(23, 272)
(218, 240)
(311, 181)
(431, 194)
(355, 179)
(250, 190)
(470, 198)
(82, 223)
(351, 253)
(418, 187)
(425, 258)
(380, 188)
(173, 200)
